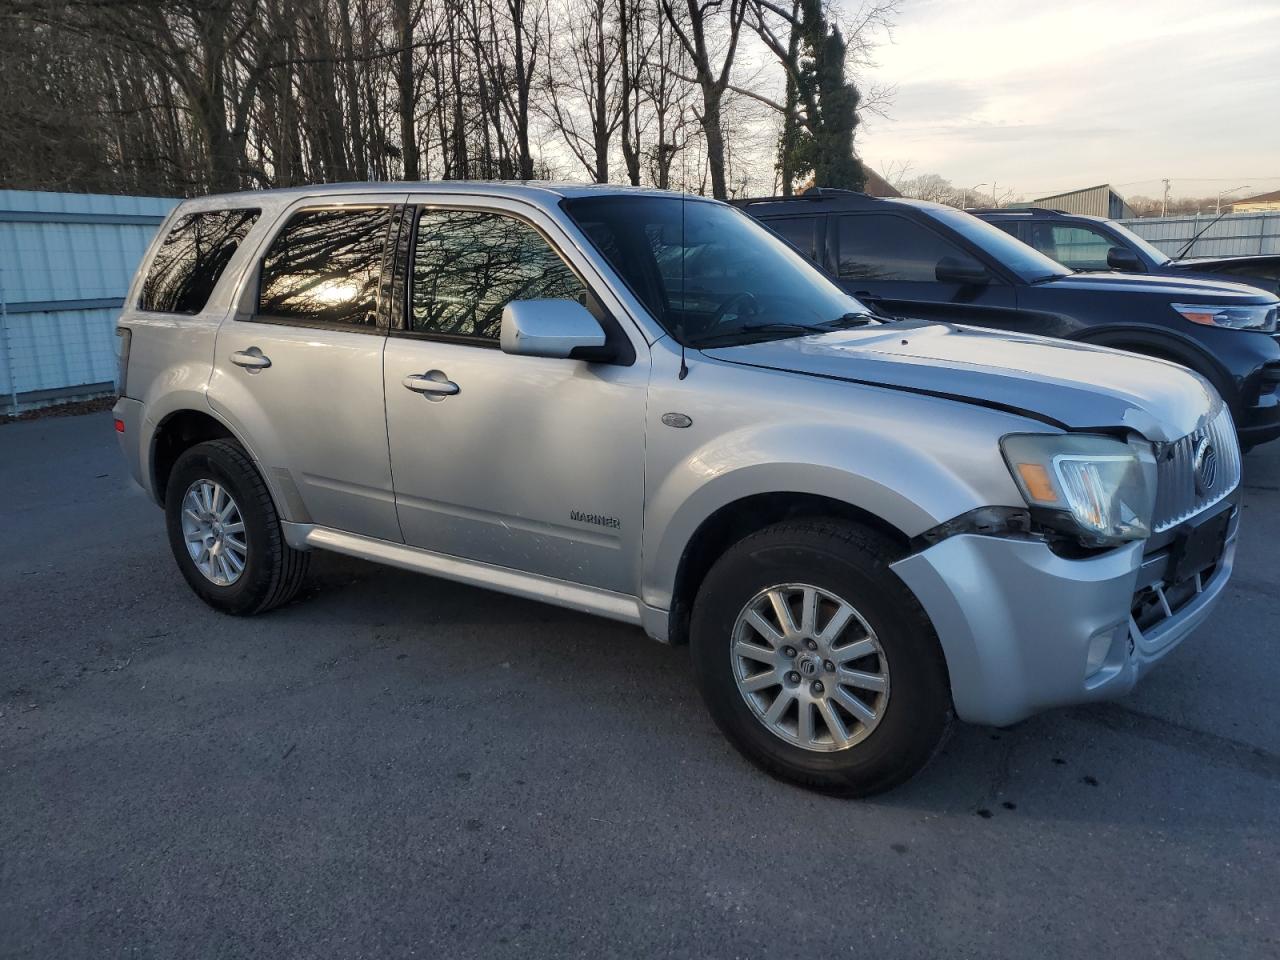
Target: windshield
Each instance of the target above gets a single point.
(1027, 262)
(1153, 253)
(710, 274)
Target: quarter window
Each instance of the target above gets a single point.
(880, 247)
(192, 257)
(800, 232)
(324, 267)
(469, 264)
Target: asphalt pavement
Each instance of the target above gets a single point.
(398, 766)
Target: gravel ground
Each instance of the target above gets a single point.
(399, 766)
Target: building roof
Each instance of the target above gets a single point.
(1272, 197)
(878, 186)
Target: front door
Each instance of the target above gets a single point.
(890, 262)
(530, 463)
(298, 369)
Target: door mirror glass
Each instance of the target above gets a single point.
(562, 329)
(963, 270)
(1122, 258)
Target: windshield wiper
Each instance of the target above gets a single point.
(846, 320)
(751, 330)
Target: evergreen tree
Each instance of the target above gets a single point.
(817, 132)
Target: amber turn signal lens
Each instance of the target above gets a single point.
(1036, 479)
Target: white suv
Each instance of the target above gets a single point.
(647, 407)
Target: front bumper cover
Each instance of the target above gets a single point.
(1016, 620)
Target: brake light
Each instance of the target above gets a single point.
(119, 425)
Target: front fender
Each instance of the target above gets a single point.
(913, 470)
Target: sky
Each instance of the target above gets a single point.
(1045, 97)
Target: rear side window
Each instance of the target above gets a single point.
(192, 257)
(324, 267)
(800, 232)
(468, 265)
(877, 246)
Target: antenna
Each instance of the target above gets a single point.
(684, 249)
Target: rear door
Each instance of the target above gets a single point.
(889, 262)
(298, 368)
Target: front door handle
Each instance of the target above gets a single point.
(251, 359)
(433, 383)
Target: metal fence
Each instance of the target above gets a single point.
(66, 260)
(1234, 234)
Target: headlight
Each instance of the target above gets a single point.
(1099, 489)
(1260, 316)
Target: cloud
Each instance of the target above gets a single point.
(1062, 95)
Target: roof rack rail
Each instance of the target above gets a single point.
(1015, 210)
(812, 193)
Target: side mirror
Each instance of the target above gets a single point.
(562, 329)
(962, 270)
(1122, 258)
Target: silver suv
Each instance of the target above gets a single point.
(647, 407)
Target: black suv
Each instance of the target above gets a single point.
(1082, 242)
(914, 259)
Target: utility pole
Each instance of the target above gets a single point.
(995, 197)
(1164, 206)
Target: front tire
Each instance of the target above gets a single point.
(225, 533)
(817, 662)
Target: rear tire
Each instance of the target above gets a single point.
(875, 690)
(225, 533)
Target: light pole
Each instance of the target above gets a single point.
(964, 194)
(1222, 193)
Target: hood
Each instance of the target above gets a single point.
(1174, 288)
(1071, 385)
(1260, 260)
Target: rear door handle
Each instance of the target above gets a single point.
(433, 383)
(251, 359)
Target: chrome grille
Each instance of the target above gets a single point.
(1178, 497)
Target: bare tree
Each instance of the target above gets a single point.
(695, 25)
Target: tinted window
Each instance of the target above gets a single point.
(324, 267)
(708, 272)
(468, 265)
(800, 232)
(191, 259)
(881, 247)
(1080, 248)
(1014, 255)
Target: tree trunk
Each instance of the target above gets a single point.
(405, 88)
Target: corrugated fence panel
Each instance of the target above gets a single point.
(66, 260)
(1237, 234)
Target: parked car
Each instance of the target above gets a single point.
(915, 259)
(648, 407)
(1085, 243)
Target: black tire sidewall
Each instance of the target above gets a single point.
(210, 461)
(919, 708)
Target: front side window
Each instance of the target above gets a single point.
(191, 259)
(469, 264)
(324, 267)
(877, 246)
(1075, 247)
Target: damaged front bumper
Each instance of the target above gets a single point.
(1024, 629)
